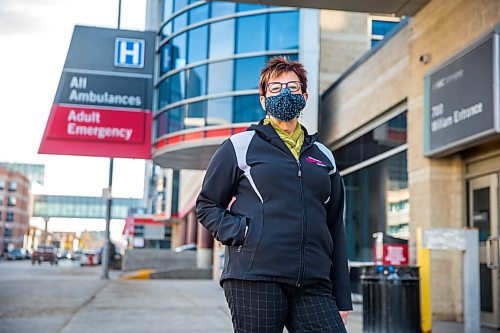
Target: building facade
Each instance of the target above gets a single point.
(383, 123)
(209, 58)
(15, 207)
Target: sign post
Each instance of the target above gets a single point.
(103, 102)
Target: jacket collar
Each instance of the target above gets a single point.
(268, 133)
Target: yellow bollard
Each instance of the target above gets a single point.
(424, 264)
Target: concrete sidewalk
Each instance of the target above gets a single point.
(73, 299)
(160, 306)
(153, 306)
(175, 306)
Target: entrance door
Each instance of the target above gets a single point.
(483, 215)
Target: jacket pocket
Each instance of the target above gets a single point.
(254, 232)
(253, 238)
(240, 257)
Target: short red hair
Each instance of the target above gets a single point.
(277, 66)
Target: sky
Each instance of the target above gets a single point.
(34, 39)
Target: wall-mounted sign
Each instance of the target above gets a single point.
(462, 98)
(103, 102)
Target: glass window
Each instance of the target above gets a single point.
(180, 22)
(10, 216)
(221, 8)
(222, 39)
(8, 232)
(381, 139)
(167, 9)
(198, 44)
(220, 77)
(177, 87)
(175, 119)
(247, 109)
(284, 31)
(220, 111)
(247, 72)
(11, 202)
(383, 184)
(165, 58)
(198, 14)
(179, 4)
(161, 125)
(164, 93)
(12, 186)
(382, 27)
(81, 209)
(481, 212)
(94, 210)
(251, 34)
(179, 50)
(167, 30)
(197, 81)
(195, 114)
(2, 184)
(245, 7)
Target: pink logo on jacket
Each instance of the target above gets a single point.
(315, 161)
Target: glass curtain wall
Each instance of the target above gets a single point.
(377, 196)
(211, 55)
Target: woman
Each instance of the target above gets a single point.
(285, 261)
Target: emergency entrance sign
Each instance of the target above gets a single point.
(103, 102)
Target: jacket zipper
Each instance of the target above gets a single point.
(304, 225)
(304, 222)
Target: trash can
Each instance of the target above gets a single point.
(391, 299)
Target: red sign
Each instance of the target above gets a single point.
(98, 124)
(395, 254)
(87, 131)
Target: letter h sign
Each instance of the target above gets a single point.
(129, 52)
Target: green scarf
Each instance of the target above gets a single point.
(294, 141)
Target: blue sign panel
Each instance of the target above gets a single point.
(129, 52)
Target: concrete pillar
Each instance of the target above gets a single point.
(182, 232)
(192, 228)
(217, 262)
(204, 247)
(179, 230)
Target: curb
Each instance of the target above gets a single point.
(171, 273)
(141, 274)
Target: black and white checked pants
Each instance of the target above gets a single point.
(267, 307)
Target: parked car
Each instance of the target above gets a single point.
(26, 253)
(66, 254)
(44, 253)
(90, 258)
(186, 247)
(15, 254)
(76, 255)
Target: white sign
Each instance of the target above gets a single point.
(129, 52)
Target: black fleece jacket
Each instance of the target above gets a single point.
(286, 223)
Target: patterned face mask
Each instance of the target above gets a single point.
(286, 105)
